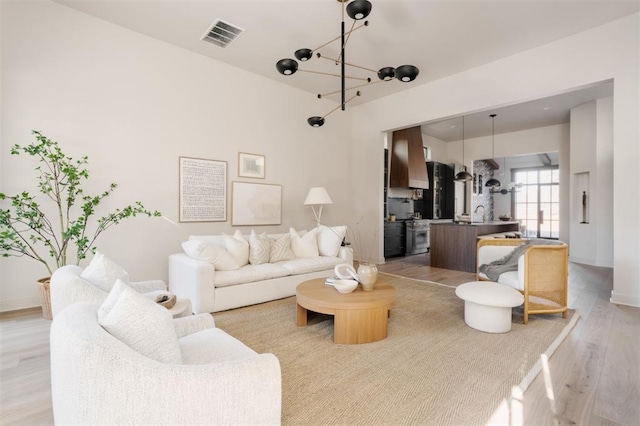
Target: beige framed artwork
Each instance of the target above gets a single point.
(251, 165)
(256, 204)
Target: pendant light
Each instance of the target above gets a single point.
(357, 10)
(493, 182)
(464, 175)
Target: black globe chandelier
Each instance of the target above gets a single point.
(356, 10)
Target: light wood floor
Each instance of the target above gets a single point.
(595, 372)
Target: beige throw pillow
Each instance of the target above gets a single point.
(305, 245)
(259, 248)
(238, 247)
(330, 239)
(103, 272)
(281, 249)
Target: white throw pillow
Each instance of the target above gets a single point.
(103, 272)
(112, 298)
(238, 247)
(259, 248)
(221, 259)
(330, 240)
(305, 245)
(141, 324)
(281, 249)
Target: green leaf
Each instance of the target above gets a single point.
(25, 229)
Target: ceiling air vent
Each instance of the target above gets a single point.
(222, 33)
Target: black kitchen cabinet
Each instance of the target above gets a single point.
(394, 239)
(439, 198)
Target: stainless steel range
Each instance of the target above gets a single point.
(417, 236)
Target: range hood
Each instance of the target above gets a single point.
(408, 168)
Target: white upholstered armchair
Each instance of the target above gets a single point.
(67, 286)
(98, 379)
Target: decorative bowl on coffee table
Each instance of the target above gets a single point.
(345, 286)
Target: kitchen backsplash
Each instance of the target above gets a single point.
(481, 195)
(402, 207)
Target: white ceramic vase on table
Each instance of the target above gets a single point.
(367, 275)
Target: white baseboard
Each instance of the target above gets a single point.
(621, 299)
(591, 262)
(22, 303)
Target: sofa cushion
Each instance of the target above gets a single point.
(310, 264)
(330, 239)
(141, 324)
(304, 245)
(212, 345)
(259, 248)
(238, 246)
(281, 248)
(103, 272)
(218, 256)
(250, 273)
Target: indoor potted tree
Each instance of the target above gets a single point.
(45, 233)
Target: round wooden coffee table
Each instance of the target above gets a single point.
(360, 316)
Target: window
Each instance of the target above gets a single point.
(537, 202)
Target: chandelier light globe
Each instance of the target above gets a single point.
(493, 183)
(315, 121)
(407, 73)
(287, 66)
(386, 73)
(463, 176)
(358, 9)
(303, 54)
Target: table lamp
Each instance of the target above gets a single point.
(317, 196)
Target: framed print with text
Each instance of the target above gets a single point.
(203, 190)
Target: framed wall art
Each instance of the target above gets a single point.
(203, 190)
(251, 165)
(256, 204)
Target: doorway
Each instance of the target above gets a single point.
(537, 201)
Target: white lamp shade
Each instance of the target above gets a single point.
(317, 196)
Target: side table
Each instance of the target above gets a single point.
(182, 308)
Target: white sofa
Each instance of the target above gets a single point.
(212, 290)
(98, 379)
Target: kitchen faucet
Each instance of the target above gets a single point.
(484, 216)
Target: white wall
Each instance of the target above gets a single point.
(437, 147)
(604, 184)
(134, 105)
(607, 52)
(592, 171)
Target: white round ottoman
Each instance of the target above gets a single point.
(487, 305)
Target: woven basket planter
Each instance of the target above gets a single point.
(45, 297)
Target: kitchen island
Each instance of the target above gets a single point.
(453, 245)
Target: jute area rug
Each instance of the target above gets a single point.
(431, 369)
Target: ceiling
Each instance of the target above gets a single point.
(527, 115)
(439, 37)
